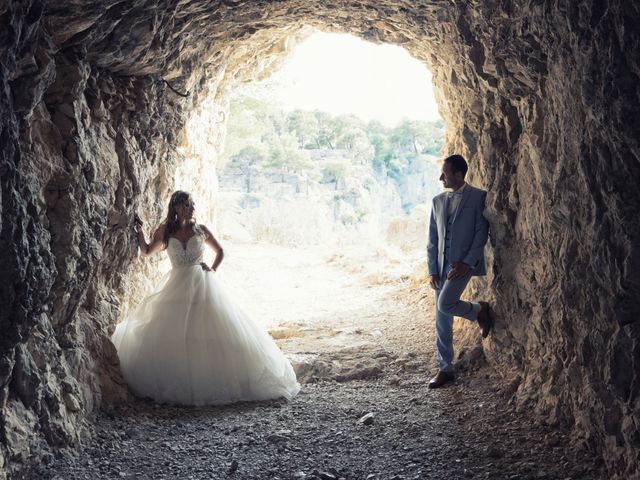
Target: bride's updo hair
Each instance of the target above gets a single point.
(171, 223)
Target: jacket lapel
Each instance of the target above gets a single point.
(445, 209)
(463, 200)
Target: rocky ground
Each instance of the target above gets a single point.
(364, 411)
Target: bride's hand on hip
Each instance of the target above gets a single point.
(205, 267)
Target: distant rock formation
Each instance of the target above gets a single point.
(323, 203)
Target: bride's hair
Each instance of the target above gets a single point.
(171, 223)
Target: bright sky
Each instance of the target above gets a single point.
(342, 74)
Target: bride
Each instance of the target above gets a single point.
(188, 342)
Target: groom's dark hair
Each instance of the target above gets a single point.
(458, 164)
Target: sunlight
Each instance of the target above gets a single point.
(342, 74)
(324, 184)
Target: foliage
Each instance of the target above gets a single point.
(261, 136)
(284, 155)
(246, 127)
(245, 161)
(337, 169)
(304, 125)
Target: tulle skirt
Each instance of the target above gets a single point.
(189, 343)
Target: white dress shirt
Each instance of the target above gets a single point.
(454, 199)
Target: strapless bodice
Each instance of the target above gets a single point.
(186, 254)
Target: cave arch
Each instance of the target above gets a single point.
(541, 98)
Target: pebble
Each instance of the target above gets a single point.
(366, 419)
(327, 476)
(493, 452)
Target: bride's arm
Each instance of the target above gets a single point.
(157, 241)
(213, 243)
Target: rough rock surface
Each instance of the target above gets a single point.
(541, 96)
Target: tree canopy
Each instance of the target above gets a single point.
(260, 135)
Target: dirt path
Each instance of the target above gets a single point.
(364, 354)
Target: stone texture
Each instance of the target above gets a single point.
(541, 96)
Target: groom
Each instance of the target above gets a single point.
(457, 235)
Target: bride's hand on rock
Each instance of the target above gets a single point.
(137, 223)
(206, 267)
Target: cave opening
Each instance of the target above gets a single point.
(532, 94)
(345, 138)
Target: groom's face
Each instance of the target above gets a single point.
(450, 179)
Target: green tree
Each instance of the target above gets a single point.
(379, 138)
(350, 134)
(304, 125)
(336, 171)
(433, 138)
(285, 156)
(247, 124)
(326, 133)
(418, 137)
(245, 161)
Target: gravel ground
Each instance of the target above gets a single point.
(364, 412)
(364, 429)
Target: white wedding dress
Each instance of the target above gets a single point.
(189, 343)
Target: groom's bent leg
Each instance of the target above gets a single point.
(444, 339)
(449, 302)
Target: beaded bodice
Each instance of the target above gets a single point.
(186, 254)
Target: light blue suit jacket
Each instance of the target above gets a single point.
(469, 232)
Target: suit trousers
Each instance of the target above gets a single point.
(449, 305)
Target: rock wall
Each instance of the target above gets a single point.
(540, 96)
(88, 151)
(548, 116)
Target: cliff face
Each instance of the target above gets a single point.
(541, 97)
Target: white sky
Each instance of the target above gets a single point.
(342, 74)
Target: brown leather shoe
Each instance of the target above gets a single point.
(441, 379)
(485, 319)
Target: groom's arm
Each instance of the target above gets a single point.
(480, 236)
(432, 244)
